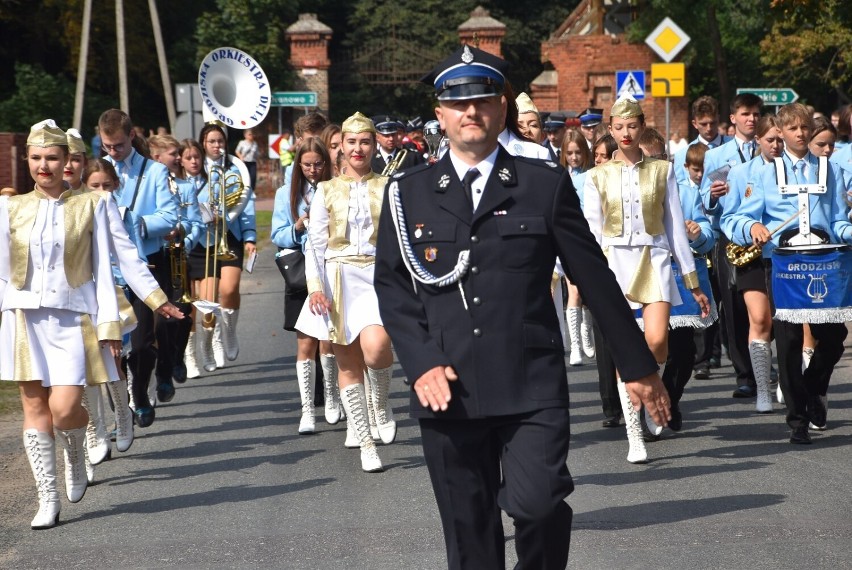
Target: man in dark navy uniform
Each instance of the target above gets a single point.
(555, 129)
(389, 134)
(465, 253)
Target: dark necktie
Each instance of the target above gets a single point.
(467, 182)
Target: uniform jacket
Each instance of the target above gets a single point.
(190, 214)
(283, 232)
(506, 347)
(155, 204)
(768, 206)
(729, 153)
(679, 158)
(690, 203)
(55, 254)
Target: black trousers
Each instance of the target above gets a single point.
(143, 354)
(798, 387)
(707, 340)
(466, 459)
(679, 362)
(736, 315)
(607, 381)
(172, 336)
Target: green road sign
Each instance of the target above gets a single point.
(294, 99)
(772, 95)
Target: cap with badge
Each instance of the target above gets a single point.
(75, 142)
(555, 121)
(469, 73)
(387, 125)
(415, 124)
(626, 107)
(46, 133)
(591, 117)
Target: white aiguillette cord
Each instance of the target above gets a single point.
(415, 268)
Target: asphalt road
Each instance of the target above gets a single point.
(222, 480)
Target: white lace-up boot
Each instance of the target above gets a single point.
(371, 409)
(189, 358)
(761, 363)
(229, 333)
(73, 442)
(575, 356)
(587, 336)
(351, 441)
(637, 452)
(649, 422)
(205, 337)
(97, 443)
(380, 385)
(40, 448)
(354, 401)
(306, 375)
(218, 345)
(123, 417)
(332, 391)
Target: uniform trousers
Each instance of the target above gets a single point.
(172, 337)
(680, 361)
(143, 354)
(736, 315)
(607, 381)
(707, 340)
(801, 388)
(466, 459)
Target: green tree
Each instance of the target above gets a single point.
(810, 48)
(724, 50)
(254, 26)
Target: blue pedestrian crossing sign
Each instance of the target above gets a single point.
(630, 82)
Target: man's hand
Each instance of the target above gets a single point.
(433, 388)
(760, 234)
(169, 311)
(650, 392)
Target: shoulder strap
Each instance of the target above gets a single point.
(780, 172)
(822, 175)
(138, 182)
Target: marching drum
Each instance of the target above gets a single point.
(812, 283)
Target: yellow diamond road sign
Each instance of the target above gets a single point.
(667, 40)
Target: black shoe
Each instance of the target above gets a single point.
(819, 415)
(144, 417)
(165, 392)
(179, 372)
(702, 373)
(676, 423)
(745, 392)
(715, 362)
(646, 433)
(800, 436)
(611, 421)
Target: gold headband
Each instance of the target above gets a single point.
(45, 134)
(525, 104)
(75, 142)
(358, 123)
(626, 107)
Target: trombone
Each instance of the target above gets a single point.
(395, 162)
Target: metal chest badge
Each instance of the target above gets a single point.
(431, 254)
(418, 233)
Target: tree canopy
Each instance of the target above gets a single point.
(802, 44)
